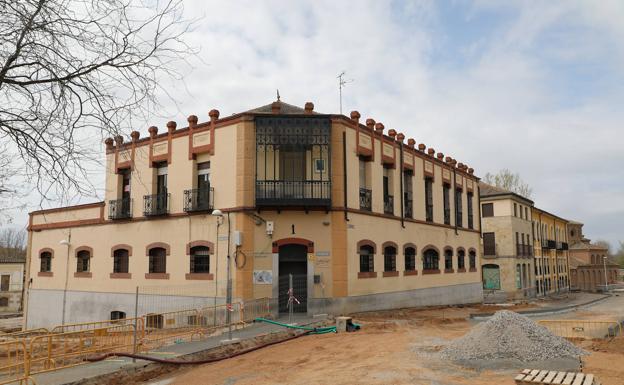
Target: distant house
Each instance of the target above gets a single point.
(589, 262)
(11, 282)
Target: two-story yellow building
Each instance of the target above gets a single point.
(550, 240)
(361, 219)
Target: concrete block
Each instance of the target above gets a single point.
(341, 324)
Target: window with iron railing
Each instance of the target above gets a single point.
(429, 199)
(446, 197)
(199, 199)
(390, 258)
(120, 208)
(458, 208)
(366, 199)
(388, 204)
(470, 211)
(367, 259)
(410, 258)
(157, 204)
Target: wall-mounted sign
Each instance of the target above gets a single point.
(263, 277)
(322, 253)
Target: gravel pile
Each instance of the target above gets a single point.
(510, 336)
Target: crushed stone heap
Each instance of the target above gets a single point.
(509, 335)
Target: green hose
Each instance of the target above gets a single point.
(323, 330)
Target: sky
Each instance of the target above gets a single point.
(536, 87)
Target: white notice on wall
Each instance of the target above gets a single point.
(263, 277)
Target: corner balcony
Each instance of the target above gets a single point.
(120, 209)
(303, 193)
(156, 205)
(196, 200)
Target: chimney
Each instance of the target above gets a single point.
(275, 108)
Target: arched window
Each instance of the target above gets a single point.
(120, 261)
(157, 260)
(448, 260)
(461, 260)
(83, 258)
(410, 258)
(367, 259)
(200, 259)
(472, 260)
(116, 314)
(431, 260)
(46, 262)
(389, 258)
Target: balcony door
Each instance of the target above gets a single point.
(292, 170)
(292, 167)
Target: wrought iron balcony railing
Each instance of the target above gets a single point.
(366, 199)
(408, 209)
(154, 205)
(304, 193)
(447, 216)
(389, 204)
(201, 199)
(120, 208)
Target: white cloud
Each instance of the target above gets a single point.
(498, 106)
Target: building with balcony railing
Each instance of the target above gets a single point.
(507, 263)
(552, 262)
(353, 212)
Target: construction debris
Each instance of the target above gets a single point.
(510, 336)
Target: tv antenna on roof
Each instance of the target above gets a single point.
(342, 82)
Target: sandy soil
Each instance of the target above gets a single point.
(392, 348)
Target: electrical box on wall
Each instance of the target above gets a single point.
(237, 237)
(269, 227)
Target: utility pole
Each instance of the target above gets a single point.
(342, 82)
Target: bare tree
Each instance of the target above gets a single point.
(75, 71)
(605, 244)
(12, 243)
(509, 181)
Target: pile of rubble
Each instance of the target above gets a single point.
(510, 336)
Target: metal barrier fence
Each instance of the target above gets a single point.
(586, 329)
(14, 365)
(62, 350)
(42, 350)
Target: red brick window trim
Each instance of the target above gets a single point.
(367, 274)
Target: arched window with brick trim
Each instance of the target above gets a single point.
(448, 260)
(410, 258)
(461, 259)
(45, 256)
(390, 252)
(367, 258)
(157, 260)
(121, 261)
(431, 260)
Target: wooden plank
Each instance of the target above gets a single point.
(579, 379)
(538, 379)
(550, 377)
(589, 379)
(568, 379)
(519, 377)
(559, 378)
(531, 376)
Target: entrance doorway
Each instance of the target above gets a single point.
(293, 259)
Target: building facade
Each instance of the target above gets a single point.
(552, 264)
(359, 218)
(11, 283)
(507, 263)
(590, 266)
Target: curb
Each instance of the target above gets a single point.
(535, 312)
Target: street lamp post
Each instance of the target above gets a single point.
(228, 300)
(65, 242)
(219, 217)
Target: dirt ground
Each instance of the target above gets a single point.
(397, 347)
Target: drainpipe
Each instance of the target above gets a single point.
(401, 182)
(455, 199)
(344, 174)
